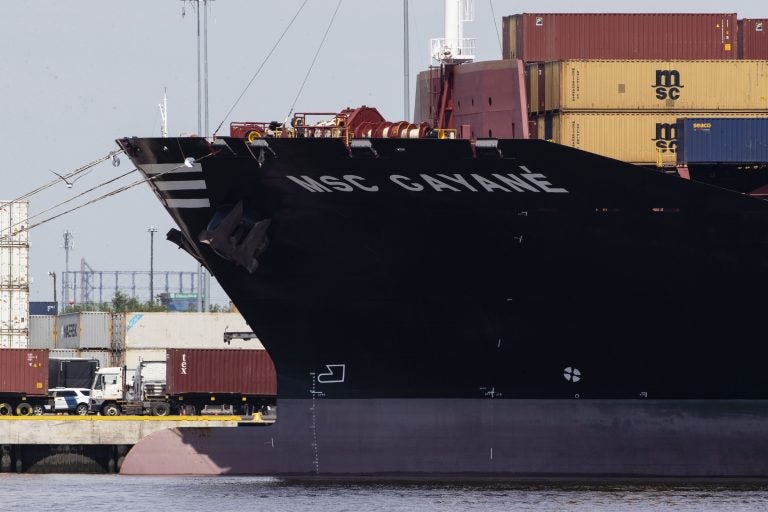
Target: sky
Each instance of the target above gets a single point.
(76, 75)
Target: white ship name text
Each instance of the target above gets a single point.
(525, 181)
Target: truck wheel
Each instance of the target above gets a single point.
(38, 410)
(110, 410)
(23, 409)
(161, 409)
(81, 409)
(6, 409)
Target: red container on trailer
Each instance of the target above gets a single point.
(24, 371)
(231, 371)
(546, 37)
(753, 39)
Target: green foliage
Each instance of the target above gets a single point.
(120, 303)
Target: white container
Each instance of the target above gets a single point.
(87, 330)
(14, 340)
(132, 357)
(105, 357)
(13, 222)
(43, 331)
(185, 330)
(14, 310)
(14, 266)
(62, 353)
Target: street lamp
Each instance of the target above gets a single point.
(53, 275)
(152, 230)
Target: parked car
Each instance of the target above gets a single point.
(69, 400)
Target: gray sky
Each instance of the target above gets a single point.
(75, 75)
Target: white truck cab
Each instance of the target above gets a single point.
(110, 385)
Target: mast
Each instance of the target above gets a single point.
(449, 51)
(454, 48)
(406, 66)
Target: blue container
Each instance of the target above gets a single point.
(722, 141)
(43, 308)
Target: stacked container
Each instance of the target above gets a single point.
(753, 39)
(709, 141)
(548, 37)
(146, 336)
(14, 275)
(628, 109)
(89, 333)
(650, 85)
(24, 372)
(643, 138)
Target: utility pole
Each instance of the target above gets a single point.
(68, 245)
(152, 230)
(53, 275)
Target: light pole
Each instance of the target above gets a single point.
(152, 230)
(53, 275)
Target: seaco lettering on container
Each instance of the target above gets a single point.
(525, 181)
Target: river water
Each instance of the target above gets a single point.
(91, 493)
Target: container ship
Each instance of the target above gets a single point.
(450, 298)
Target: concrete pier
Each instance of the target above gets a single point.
(98, 429)
(86, 443)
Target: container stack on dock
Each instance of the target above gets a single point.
(618, 84)
(117, 339)
(14, 275)
(146, 336)
(89, 334)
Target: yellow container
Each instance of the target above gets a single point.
(647, 85)
(533, 96)
(639, 138)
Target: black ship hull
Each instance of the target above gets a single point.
(473, 438)
(515, 308)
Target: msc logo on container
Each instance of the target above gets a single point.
(666, 137)
(667, 84)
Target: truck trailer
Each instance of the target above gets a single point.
(26, 375)
(188, 382)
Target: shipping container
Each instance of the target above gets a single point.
(679, 86)
(14, 310)
(63, 353)
(24, 372)
(132, 357)
(753, 39)
(549, 37)
(14, 266)
(14, 339)
(43, 331)
(13, 222)
(722, 141)
(71, 372)
(184, 330)
(640, 138)
(246, 372)
(43, 308)
(89, 330)
(105, 357)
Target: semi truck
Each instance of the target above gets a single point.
(188, 382)
(26, 375)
